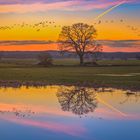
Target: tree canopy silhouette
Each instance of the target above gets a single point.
(80, 38)
(78, 100)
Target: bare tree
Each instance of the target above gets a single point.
(45, 59)
(80, 38)
(79, 100)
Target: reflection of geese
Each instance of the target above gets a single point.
(19, 113)
(78, 100)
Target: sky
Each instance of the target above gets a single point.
(42, 20)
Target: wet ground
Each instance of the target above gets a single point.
(69, 113)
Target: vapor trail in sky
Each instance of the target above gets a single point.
(109, 10)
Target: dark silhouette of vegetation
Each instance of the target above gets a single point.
(78, 100)
(45, 59)
(96, 55)
(138, 57)
(1, 55)
(80, 38)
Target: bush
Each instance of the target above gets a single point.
(45, 59)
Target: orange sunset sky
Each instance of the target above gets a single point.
(42, 20)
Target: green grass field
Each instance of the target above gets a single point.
(27, 70)
(66, 62)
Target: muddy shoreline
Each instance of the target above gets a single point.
(37, 84)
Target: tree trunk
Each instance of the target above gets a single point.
(81, 60)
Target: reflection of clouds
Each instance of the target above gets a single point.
(74, 130)
(78, 100)
(47, 105)
(29, 110)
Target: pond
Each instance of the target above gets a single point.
(69, 113)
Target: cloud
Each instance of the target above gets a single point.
(24, 42)
(121, 43)
(34, 45)
(111, 43)
(29, 1)
(22, 6)
(34, 7)
(3, 2)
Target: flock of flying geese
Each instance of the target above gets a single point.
(45, 24)
(130, 27)
(37, 26)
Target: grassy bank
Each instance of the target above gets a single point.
(119, 76)
(7, 63)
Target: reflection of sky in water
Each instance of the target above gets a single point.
(36, 113)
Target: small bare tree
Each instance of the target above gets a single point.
(80, 38)
(45, 59)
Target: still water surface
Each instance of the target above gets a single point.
(69, 113)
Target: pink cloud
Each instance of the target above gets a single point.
(71, 5)
(23, 8)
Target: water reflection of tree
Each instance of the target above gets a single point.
(78, 100)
